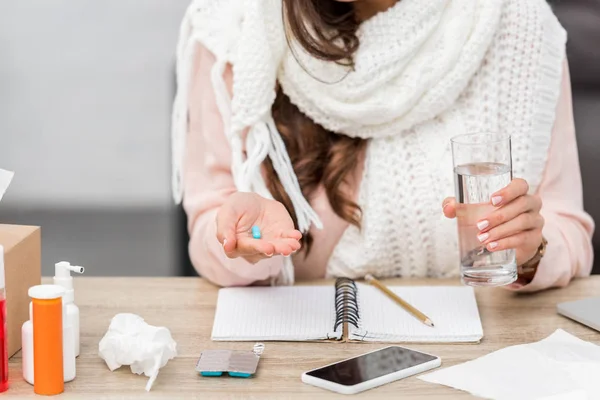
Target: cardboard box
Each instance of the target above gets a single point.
(23, 269)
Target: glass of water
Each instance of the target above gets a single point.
(482, 166)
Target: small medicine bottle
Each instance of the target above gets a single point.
(47, 318)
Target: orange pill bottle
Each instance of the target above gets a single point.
(47, 315)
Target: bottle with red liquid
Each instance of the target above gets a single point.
(3, 338)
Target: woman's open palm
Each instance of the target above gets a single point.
(240, 213)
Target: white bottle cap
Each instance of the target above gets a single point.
(46, 292)
(2, 278)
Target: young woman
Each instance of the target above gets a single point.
(328, 123)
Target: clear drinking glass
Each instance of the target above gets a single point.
(482, 166)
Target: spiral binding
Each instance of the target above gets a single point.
(346, 303)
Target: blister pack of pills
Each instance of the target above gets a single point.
(236, 363)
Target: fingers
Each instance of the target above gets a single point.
(516, 188)
(510, 211)
(449, 207)
(286, 247)
(267, 248)
(248, 246)
(513, 286)
(515, 241)
(294, 234)
(522, 222)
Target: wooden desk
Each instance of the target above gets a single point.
(186, 306)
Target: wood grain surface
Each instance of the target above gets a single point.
(186, 306)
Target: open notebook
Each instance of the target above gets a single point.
(346, 312)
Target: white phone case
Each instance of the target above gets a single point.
(382, 380)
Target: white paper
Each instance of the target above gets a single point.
(131, 341)
(275, 313)
(5, 178)
(576, 395)
(560, 367)
(453, 310)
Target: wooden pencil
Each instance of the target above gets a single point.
(402, 303)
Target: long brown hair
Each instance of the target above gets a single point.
(326, 29)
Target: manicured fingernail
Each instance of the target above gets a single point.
(269, 254)
(483, 224)
(483, 237)
(515, 285)
(496, 200)
(493, 245)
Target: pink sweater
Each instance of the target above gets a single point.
(208, 182)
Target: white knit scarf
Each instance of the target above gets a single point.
(424, 71)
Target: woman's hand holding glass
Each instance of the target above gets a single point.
(515, 222)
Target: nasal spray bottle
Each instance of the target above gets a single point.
(62, 277)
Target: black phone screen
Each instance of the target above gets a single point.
(370, 366)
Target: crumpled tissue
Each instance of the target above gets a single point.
(5, 179)
(131, 341)
(559, 367)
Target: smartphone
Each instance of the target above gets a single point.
(370, 370)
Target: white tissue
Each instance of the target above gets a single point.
(5, 178)
(561, 366)
(576, 395)
(131, 341)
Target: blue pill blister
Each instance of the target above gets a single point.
(256, 232)
(238, 364)
(211, 373)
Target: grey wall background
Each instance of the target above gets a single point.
(85, 96)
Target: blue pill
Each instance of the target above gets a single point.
(256, 232)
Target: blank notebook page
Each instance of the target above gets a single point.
(293, 313)
(453, 310)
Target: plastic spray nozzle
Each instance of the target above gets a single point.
(63, 268)
(62, 277)
(77, 269)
